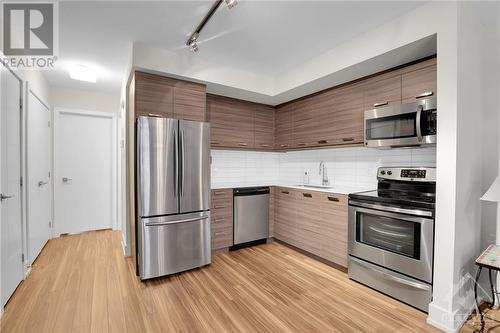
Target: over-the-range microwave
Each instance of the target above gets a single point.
(406, 125)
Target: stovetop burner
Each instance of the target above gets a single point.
(411, 187)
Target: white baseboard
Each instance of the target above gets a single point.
(125, 247)
(450, 322)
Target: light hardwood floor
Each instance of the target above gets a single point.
(82, 283)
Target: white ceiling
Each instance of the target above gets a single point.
(266, 38)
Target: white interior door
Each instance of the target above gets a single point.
(11, 239)
(38, 181)
(84, 176)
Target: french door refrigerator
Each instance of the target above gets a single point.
(173, 196)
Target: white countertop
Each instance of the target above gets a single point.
(339, 189)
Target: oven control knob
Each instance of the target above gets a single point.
(382, 172)
(389, 173)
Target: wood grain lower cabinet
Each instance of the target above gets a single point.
(285, 218)
(313, 221)
(222, 219)
(272, 207)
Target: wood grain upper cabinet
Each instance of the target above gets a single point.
(304, 123)
(232, 124)
(264, 126)
(419, 81)
(190, 101)
(284, 126)
(160, 96)
(382, 90)
(154, 95)
(348, 115)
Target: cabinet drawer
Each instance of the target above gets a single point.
(334, 201)
(222, 221)
(222, 237)
(226, 193)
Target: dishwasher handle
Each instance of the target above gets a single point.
(250, 191)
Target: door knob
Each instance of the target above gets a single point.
(5, 197)
(67, 180)
(41, 183)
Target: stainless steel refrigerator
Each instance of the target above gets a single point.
(173, 196)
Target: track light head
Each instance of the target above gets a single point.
(231, 3)
(193, 46)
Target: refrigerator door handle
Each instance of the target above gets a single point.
(176, 165)
(153, 224)
(182, 166)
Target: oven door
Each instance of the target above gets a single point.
(411, 124)
(395, 240)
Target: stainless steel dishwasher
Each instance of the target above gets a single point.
(251, 215)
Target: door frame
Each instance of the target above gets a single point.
(26, 149)
(58, 111)
(22, 131)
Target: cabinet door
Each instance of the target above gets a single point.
(232, 125)
(153, 95)
(348, 115)
(334, 223)
(272, 207)
(418, 84)
(304, 122)
(308, 222)
(283, 134)
(190, 101)
(264, 127)
(382, 90)
(323, 124)
(284, 223)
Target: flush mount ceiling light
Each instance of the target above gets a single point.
(82, 73)
(193, 38)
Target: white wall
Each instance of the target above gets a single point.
(84, 100)
(353, 167)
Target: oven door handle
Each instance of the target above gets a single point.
(391, 277)
(417, 212)
(418, 125)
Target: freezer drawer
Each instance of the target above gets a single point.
(172, 244)
(251, 215)
(401, 287)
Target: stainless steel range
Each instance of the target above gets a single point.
(391, 235)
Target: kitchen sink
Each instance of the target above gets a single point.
(314, 186)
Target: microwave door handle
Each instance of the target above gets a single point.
(419, 123)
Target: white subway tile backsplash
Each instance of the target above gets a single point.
(355, 167)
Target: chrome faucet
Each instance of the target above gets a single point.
(323, 173)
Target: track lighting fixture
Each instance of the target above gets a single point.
(231, 3)
(191, 42)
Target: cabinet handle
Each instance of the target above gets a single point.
(301, 144)
(376, 105)
(283, 145)
(215, 143)
(216, 207)
(219, 220)
(307, 195)
(285, 192)
(243, 144)
(347, 139)
(219, 193)
(264, 145)
(218, 233)
(425, 94)
(322, 142)
(333, 199)
(156, 115)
